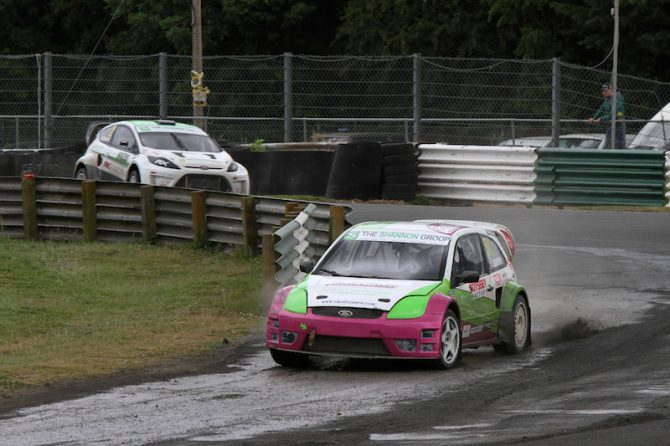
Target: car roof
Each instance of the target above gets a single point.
(161, 125)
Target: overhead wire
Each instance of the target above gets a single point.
(88, 59)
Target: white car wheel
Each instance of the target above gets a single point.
(450, 341)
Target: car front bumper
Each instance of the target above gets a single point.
(381, 337)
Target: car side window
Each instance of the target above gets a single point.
(105, 135)
(468, 256)
(123, 139)
(494, 255)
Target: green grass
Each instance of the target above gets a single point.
(74, 310)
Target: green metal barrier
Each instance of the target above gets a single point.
(599, 177)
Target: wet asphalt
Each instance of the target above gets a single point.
(598, 372)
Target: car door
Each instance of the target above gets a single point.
(116, 160)
(473, 290)
(499, 271)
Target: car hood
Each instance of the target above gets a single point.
(359, 293)
(196, 160)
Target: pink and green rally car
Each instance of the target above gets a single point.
(422, 289)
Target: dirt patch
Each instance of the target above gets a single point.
(216, 361)
(579, 329)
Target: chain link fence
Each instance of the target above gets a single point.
(49, 100)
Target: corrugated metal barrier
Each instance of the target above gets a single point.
(597, 177)
(667, 179)
(56, 209)
(477, 173)
(294, 245)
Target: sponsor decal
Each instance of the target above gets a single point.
(498, 278)
(397, 236)
(487, 325)
(353, 235)
(351, 302)
(303, 326)
(466, 331)
(476, 329)
(478, 289)
(106, 165)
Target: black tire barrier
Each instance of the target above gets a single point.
(400, 179)
(301, 172)
(356, 171)
(56, 162)
(290, 172)
(401, 196)
(399, 187)
(400, 169)
(400, 160)
(397, 149)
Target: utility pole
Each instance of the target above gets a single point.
(196, 73)
(613, 98)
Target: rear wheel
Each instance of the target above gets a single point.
(289, 359)
(450, 341)
(520, 339)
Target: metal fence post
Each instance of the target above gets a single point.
(162, 85)
(199, 217)
(416, 93)
(149, 224)
(556, 102)
(288, 97)
(249, 227)
(48, 76)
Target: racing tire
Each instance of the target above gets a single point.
(81, 174)
(134, 176)
(403, 159)
(289, 359)
(521, 329)
(451, 341)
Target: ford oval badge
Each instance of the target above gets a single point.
(345, 313)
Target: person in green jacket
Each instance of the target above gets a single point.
(604, 115)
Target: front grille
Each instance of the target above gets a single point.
(337, 344)
(348, 312)
(204, 182)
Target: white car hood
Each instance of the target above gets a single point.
(196, 160)
(359, 293)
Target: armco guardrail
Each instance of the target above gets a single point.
(294, 244)
(477, 173)
(69, 209)
(667, 179)
(596, 177)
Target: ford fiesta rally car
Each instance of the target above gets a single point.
(161, 153)
(422, 290)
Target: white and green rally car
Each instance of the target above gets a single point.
(161, 153)
(422, 290)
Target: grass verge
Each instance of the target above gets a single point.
(76, 310)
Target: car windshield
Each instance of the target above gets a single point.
(182, 142)
(385, 260)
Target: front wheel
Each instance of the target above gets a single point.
(81, 174)
(289, 359)
(134, 176)
(450, 341)
(520, 339)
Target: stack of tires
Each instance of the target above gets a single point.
(356, 171)
(399, 171)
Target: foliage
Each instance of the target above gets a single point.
(258, 146)
(72, 310)
(575, 31)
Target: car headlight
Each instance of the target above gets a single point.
(162, 162)
(233, 167)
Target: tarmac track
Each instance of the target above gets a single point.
(598, 372)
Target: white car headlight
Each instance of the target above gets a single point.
(162, 162)
(233, 167)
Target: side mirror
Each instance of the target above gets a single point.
(306, 266)
(467, 277)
